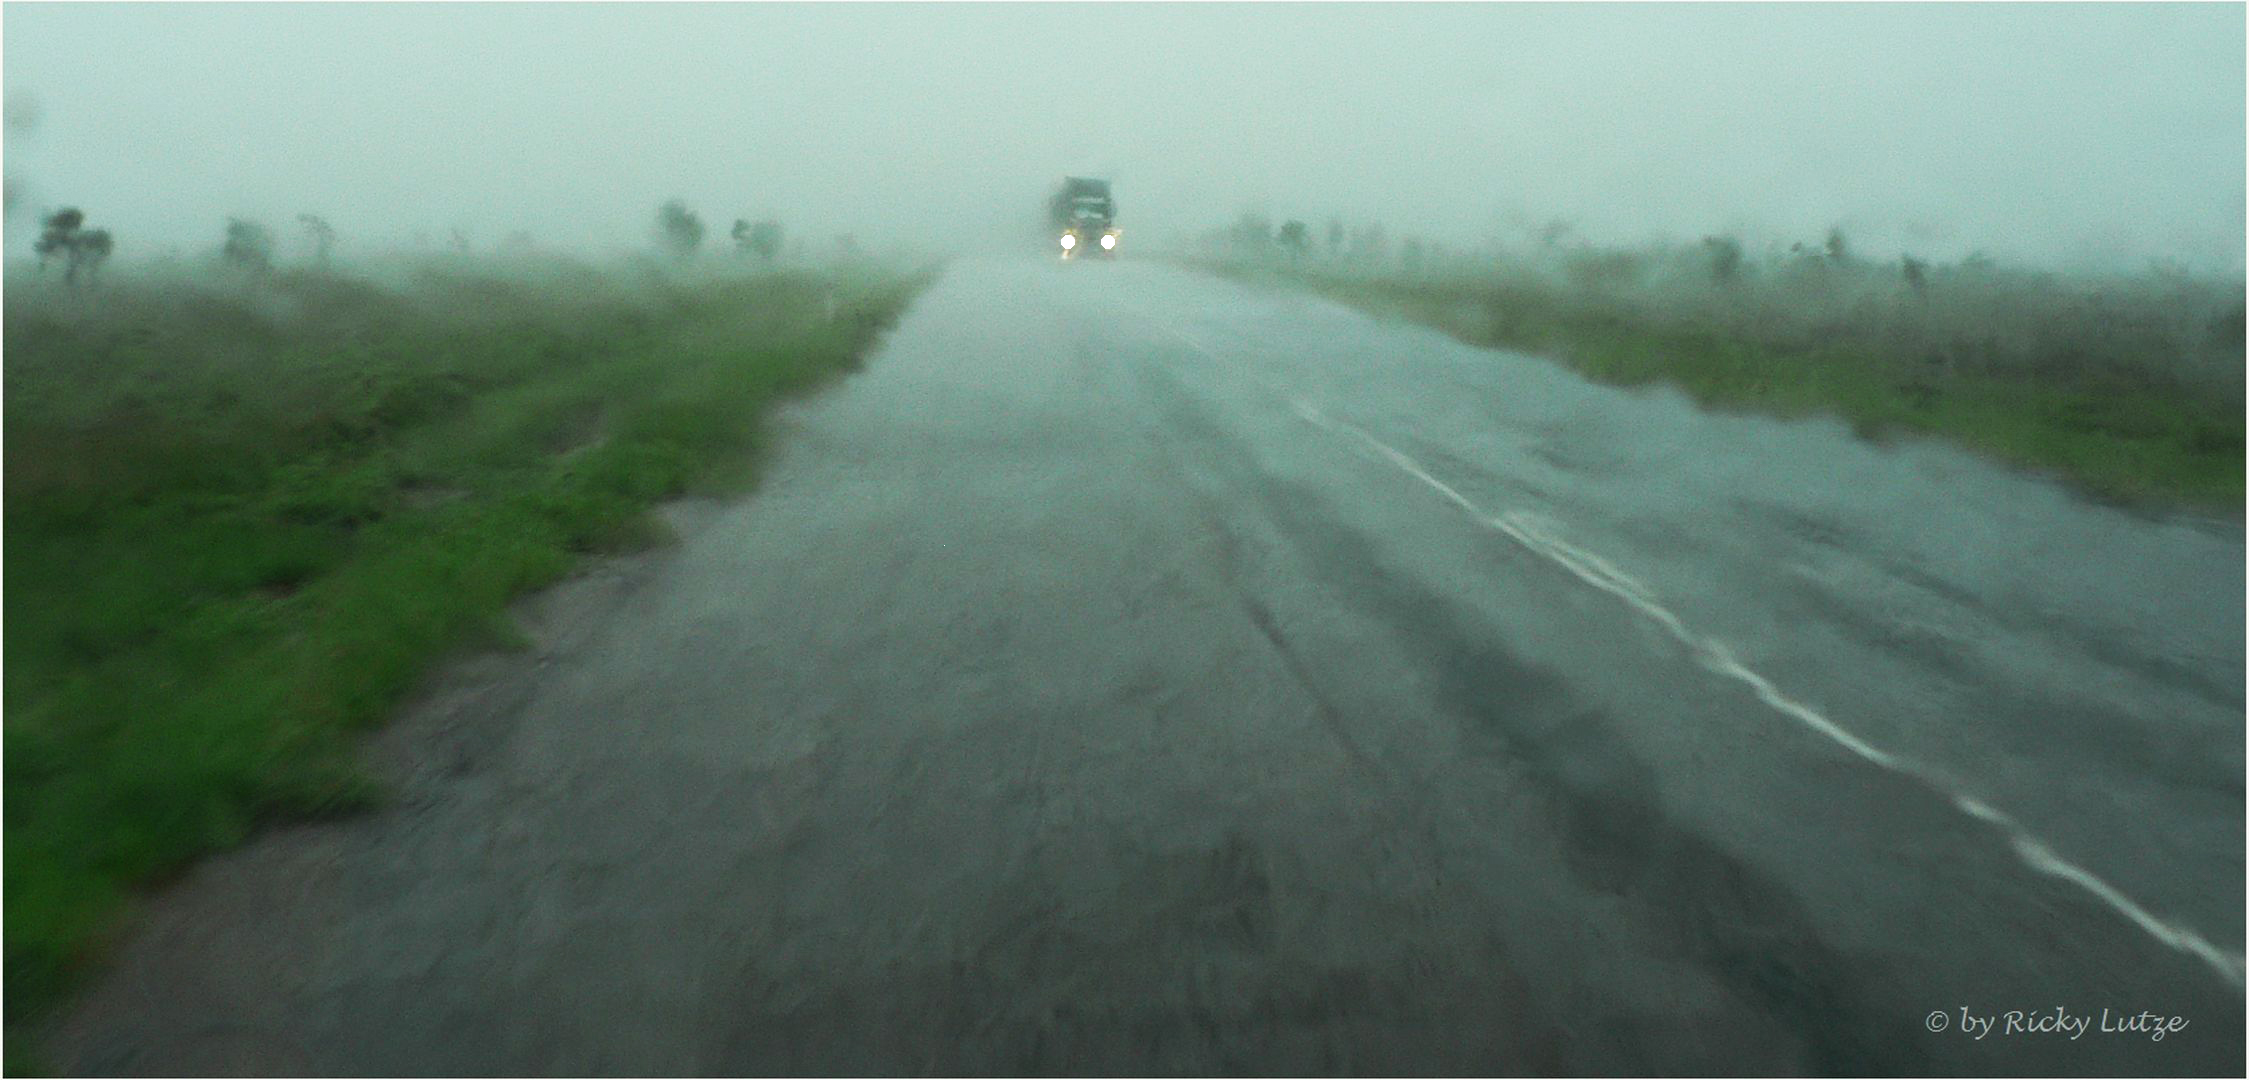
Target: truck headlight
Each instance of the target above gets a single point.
(1068, 241)
(1108, 241)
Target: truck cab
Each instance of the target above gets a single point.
(1082, 217)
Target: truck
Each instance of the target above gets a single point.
(1082, 216)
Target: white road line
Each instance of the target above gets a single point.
(1716, 656)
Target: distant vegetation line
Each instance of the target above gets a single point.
(249, 247)
(2129, 386)
(245, 513)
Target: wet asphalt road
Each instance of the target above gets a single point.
(1133, 672)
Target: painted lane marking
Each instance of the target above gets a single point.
(1537, 535)
(1714, 655)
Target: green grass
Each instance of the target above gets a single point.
(2132, 403)
(241, 522)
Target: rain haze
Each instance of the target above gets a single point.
(2071, 134)
(1094, 539)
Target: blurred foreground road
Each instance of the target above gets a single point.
(1136, 672)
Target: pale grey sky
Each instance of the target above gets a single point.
(2055, 133)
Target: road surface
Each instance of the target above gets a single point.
(1134, 672)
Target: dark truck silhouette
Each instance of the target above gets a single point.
(1083, 217)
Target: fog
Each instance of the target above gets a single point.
(2080, 135)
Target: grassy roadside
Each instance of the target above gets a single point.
(241, 521)
(2023, 370)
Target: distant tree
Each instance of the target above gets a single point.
(1555, 231)
(1411, 254)
(518, 242)
(1604, 269)
(1294, 237)
(762, 239)
(62, 235)
(1838, 247)
(1916, 272)
(249, 245)
(458, 238)
(1252, 232)
(1370, 243)
(94, 246)
(21, 113)
(766, 239)
(323, 236)
(2168, 269)
(678, 229)
(1335, 237)
(58, 234)
(1725, 257)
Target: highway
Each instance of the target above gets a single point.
(1135, 672)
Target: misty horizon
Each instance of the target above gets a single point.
(2082, 136)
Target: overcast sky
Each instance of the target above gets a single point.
(2061, 134)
